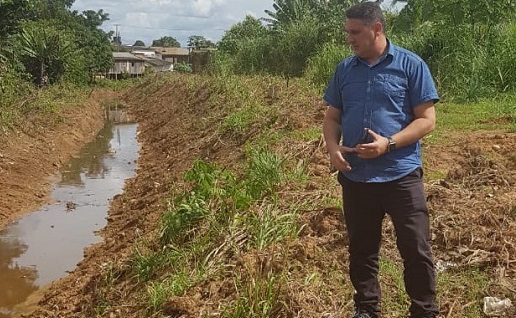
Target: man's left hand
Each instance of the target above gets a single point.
(374, 149)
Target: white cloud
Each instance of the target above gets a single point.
(205, 7)
(149, 20)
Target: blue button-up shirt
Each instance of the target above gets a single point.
(380, 97)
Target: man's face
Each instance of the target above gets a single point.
(361, 37)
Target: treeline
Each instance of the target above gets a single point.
(44, 42)
(470, 45)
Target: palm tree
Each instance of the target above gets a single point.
(287, 11)
(44, 52)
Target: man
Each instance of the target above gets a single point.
(381, 103)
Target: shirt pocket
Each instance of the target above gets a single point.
(393, 85)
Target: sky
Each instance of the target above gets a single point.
(149, 20)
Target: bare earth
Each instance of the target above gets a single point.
(473, 205)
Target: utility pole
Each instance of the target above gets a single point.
(118, 39)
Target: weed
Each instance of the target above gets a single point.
(182, 216)
(257, 296)
(268, 225)
(145, 264)
(264, 172)
(391, 276)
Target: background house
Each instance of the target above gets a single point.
(201, 58)
(126, 64)
(146, 52)
(174, 54)
(158, 65)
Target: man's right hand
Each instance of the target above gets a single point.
(337, 158)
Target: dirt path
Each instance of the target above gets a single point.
(174, 129)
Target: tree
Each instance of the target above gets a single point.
(54, 43)
(199, 42)
(455, 12)
(94, 19)
(166, 41)
(329, 13)
(241, 33)
(44, 52)
(93, 43)
(12, 12)
(139, 43)
(287, 11)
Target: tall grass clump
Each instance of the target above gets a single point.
(264, 172)
(468, 62)
(259, 296)
(501, 59)
(254, 57)
(321, 66)
(15, 92)
(269, 225)
(190, 208)
(214, 189)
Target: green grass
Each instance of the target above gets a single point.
(460, 290)
(203, 222)
(160, 291)
(269, 225)
(307, 134)
(464, 289)
(496, 114)
(394, 299)
(145, 265)
(258, 296)
(44, 106)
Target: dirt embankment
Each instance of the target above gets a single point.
(472, 208)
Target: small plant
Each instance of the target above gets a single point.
(183, 67)
(182, 217)
(264, 172)
(239, 120)
(208, 180)
(145, 264)
(258, 296)
(268, 225)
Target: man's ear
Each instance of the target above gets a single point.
(378, 28)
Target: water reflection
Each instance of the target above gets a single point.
(89, 160)
(43, 246)
(13, 274)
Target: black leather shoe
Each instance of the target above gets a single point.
(361, 313)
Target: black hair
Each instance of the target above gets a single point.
(369, 12)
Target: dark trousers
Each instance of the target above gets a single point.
(365, 205)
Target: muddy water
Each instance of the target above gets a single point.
(44, 245)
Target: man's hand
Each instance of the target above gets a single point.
(337, 158)
(374, 149)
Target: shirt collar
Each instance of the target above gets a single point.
(390, 51)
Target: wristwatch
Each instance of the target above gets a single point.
(391, 145)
